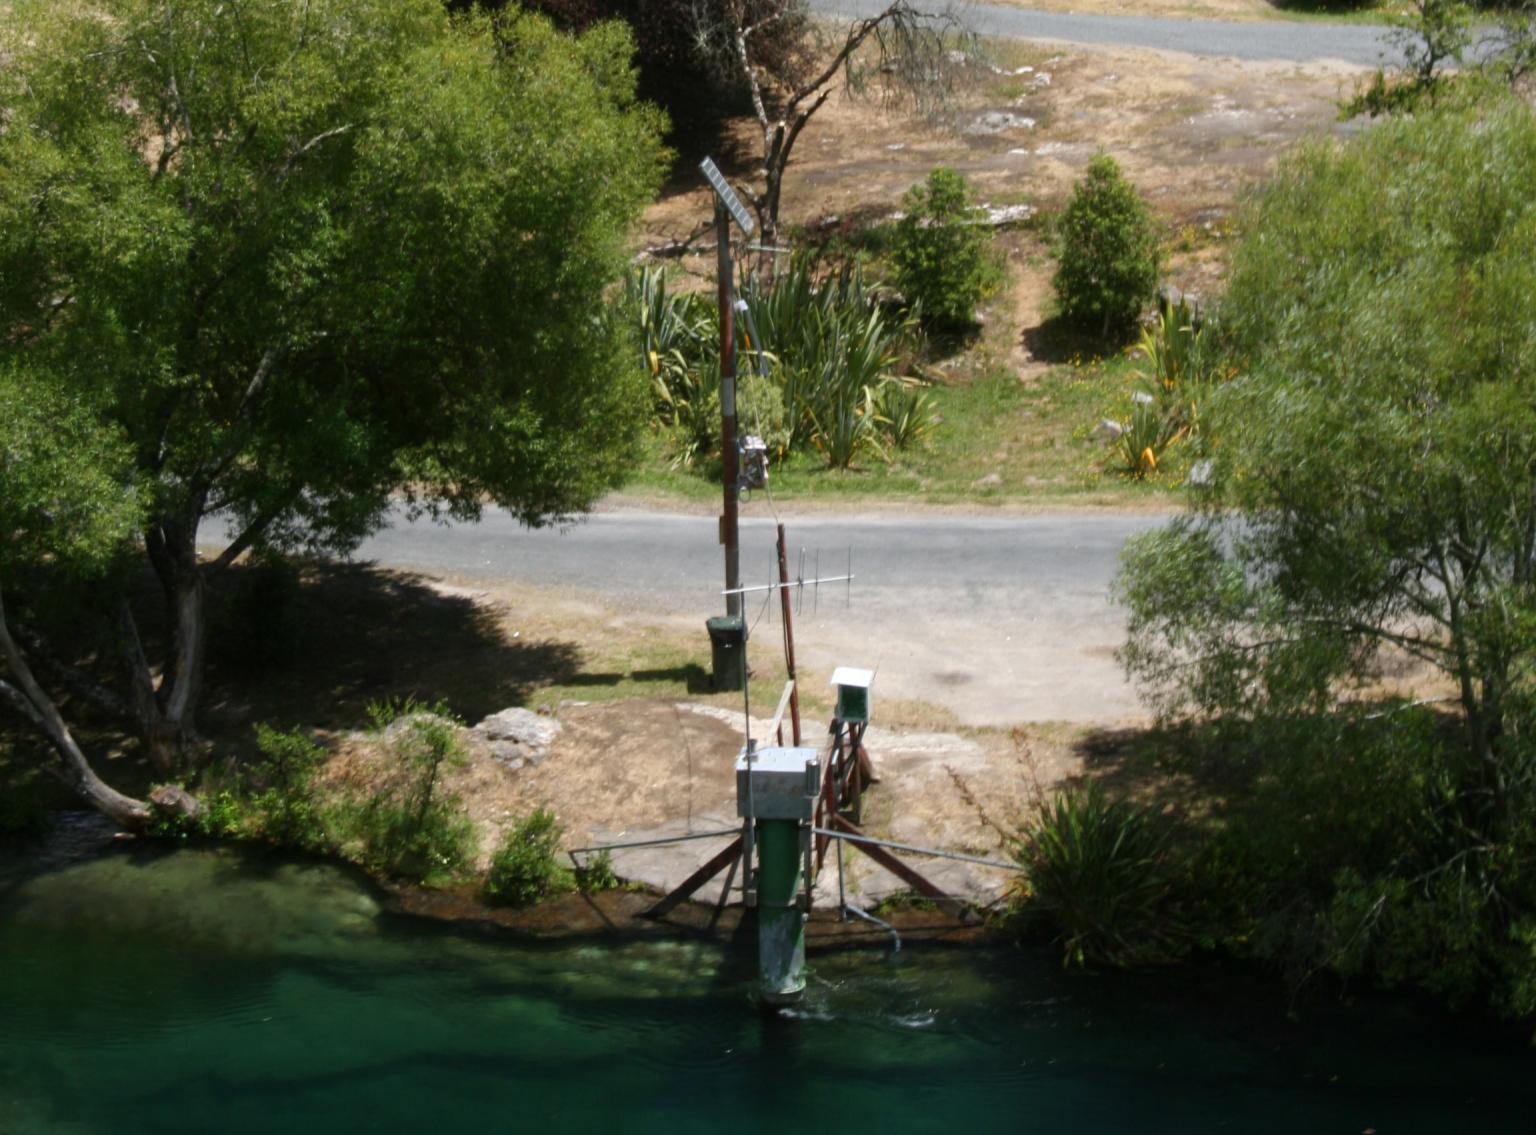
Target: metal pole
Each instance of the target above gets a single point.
(728, 523)
(789, 639)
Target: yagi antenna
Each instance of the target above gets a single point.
(800, 583)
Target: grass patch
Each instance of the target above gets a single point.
(999, 441)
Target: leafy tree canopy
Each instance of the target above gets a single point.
(300, 257)
(306, 253)
(1379, 447)
(64, 477)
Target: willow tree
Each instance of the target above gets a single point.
(1373, 496)
(305, 256)
(1374, 467)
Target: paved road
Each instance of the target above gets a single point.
(1003, 620)
(1254, 39)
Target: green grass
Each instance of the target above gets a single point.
(999, 441)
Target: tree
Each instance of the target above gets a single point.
(791, 69)
(1451, 47)
(304, 258)
(1109, 259)
(942, 256)
(62, 507)
(1374, 481)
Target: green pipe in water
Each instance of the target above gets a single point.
(780, 923)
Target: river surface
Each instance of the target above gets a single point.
(201, 991)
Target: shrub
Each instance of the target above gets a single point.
(1100, 873)
(1108, 255)
(833, 350)
(680, 351)
(526, 868)
(904, 412)
(285, 808)
(829, 353)
(943, 260)
(1179, 368)
(596, 874)
(414, 829)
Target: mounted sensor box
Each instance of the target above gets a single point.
(853, 694)
(783, 784)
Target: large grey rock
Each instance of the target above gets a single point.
(518, 736)
(999, 122)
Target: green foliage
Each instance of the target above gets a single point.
(1372, 496)
(288, 263)
(412, 828)
(679, 343)
(943, 259)
(66, 491)
(830, 355)
(1108, 259)
(596, 874)
(832, 350)
(406, 825)
(905, 411)
(1179, 367)
(1147, 433)
(1433, 36)
(221, 815)
(359, 218)
(526, 868)
(1100, 874)
(285, 806)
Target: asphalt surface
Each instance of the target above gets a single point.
(1258, 40)
(999, 619)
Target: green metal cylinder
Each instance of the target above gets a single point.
(780, 924)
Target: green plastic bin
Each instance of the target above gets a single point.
(728, 651)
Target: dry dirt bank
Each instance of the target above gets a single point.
(1192, 133)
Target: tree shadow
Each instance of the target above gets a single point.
(1174, 771)
(317, 649)
(1056, 341)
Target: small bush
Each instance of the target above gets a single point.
(596, 874)
(1100, 874)
(526, 869)
(415, 830)
(905, 412)
(285, 807)
(1179, 368)
(1108, 255)
(943, 259)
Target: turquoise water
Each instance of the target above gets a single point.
(202, 992)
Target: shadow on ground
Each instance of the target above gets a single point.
(314, 646)
(1170, 771)
(1056, 341)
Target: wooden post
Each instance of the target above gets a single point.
(729, 529)
(789, 638)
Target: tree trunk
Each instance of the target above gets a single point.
(33, 701)
(168, 723)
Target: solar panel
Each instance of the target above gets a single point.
(727, 196)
